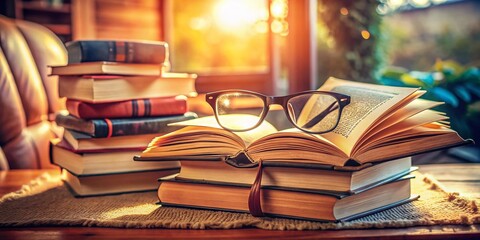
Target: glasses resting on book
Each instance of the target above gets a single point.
(310, 111)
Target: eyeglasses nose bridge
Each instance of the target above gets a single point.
(275, 100)
(275, 103)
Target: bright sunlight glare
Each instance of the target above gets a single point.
(231, 15)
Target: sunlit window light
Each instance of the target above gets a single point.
(365, 34)
(199, 23)
(279, 26)
(230, 15)
(279, 9)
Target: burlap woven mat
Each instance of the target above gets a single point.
(47, 202)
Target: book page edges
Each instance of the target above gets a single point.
(413, 153)
(412, 198)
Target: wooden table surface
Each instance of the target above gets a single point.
(463, 177)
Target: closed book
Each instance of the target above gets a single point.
(282, 202)
(111, 88)
(117, 183)
(112, 68)
(104, 128)
(131, 108)
(300, 176)
(117, 51)
(95, 163)
(82, 142)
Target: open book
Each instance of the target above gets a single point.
(381, 123)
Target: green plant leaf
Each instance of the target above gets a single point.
(451, 69)
(444, 95)
(426, 78)
(394, 72)
(391, 82)
(411, 81)
(471, 75)
(462, 93)
(473, 88)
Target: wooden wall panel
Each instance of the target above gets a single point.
(132, 19)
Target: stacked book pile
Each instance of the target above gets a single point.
(119, 96)
(361, 167)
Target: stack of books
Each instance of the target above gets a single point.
(119, 96)
(361, 167)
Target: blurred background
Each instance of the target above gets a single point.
(286, 46)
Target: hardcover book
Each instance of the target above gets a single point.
(291, 203)
(105, 128)
(299, 176)
(128, 109)
(117, 51)
(381, 123)
(95, 163)
(110, 68)
(82, 142)
(118, 183)
(107, 88)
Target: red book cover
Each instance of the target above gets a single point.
(132, 108)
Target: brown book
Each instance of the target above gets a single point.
(299, 176)
(285, 203)
(110, 88)
(83, 164)
(381, 123)
(111, 68)
(106, 184)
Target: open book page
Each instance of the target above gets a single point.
(416, 106)
(410, 142)
(185, 142)
(395, 131)
(369, 103)
(411, 109)
(248, 137)
(295, 145)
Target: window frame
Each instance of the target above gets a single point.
(300, 54)
(207, 82)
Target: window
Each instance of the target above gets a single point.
(226, 42)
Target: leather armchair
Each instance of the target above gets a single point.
(28, 95)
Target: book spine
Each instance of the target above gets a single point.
(117, 51)
(126, 109)
(122, 127)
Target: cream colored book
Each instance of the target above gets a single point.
(381, 123)
(100, 88)
(112, 68)
(109, 162)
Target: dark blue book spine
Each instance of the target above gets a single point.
(116, 51)
(122, 127)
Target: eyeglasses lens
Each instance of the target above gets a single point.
(228, 105)
(314, 112)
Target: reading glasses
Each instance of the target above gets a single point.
(310, 111)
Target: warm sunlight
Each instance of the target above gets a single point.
(230, 15)
(142, 209)
(217, 36)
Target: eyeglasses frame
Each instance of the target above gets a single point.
(211, 99)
